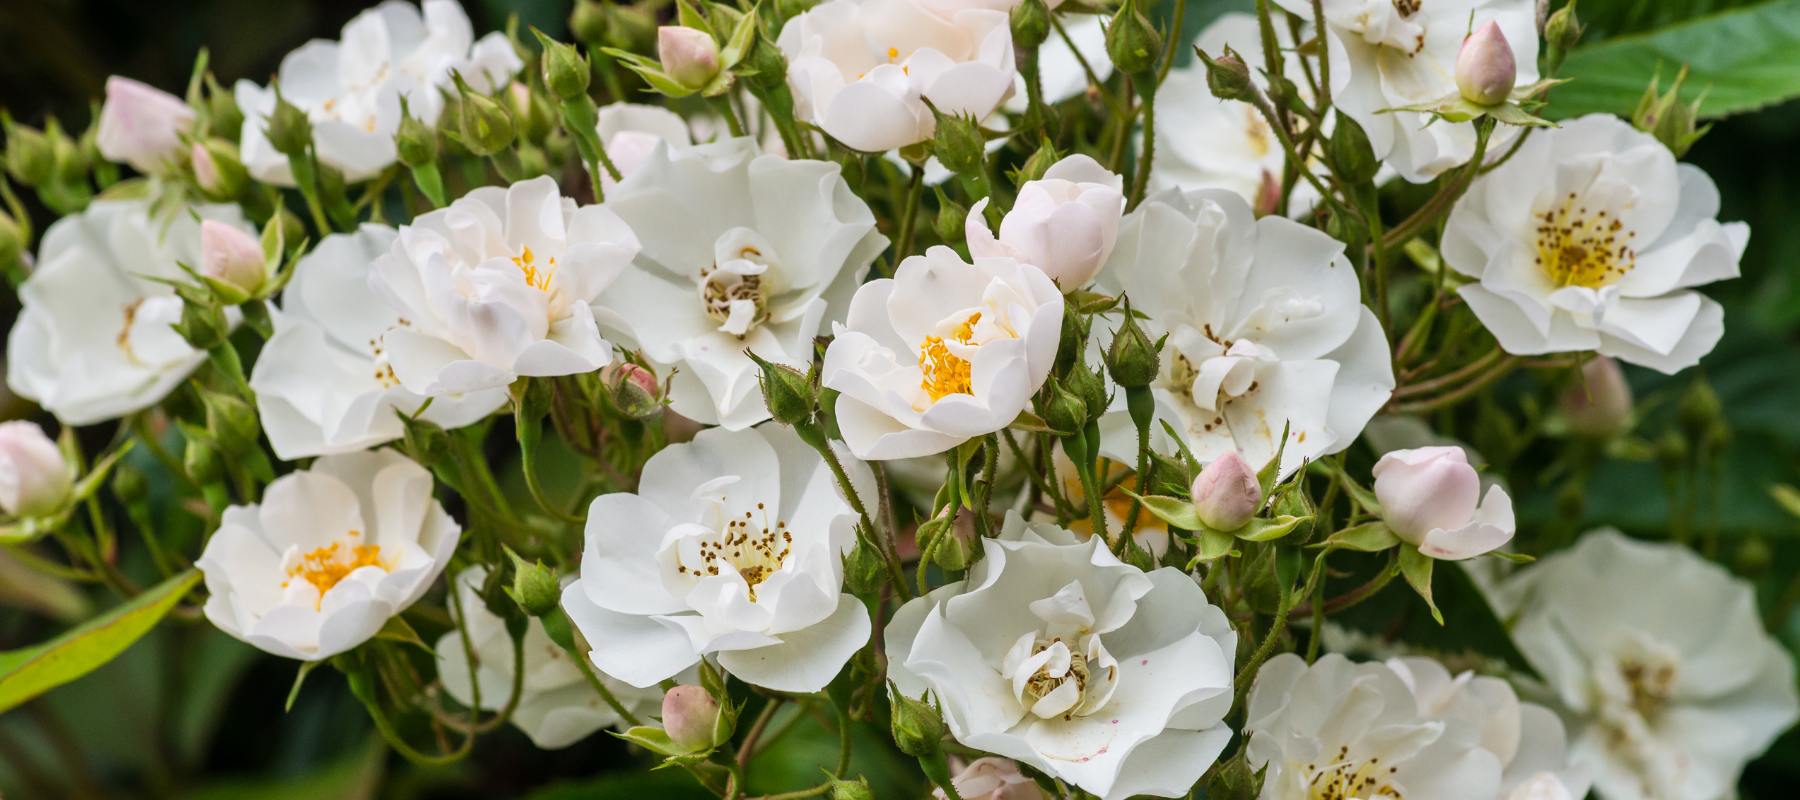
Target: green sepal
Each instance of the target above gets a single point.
(1369, 537)
(1264, 530)
(1416, 566)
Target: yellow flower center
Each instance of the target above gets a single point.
(1579, 248)
(945, 372)
(756, 553)
(538, 279)
(1344, 780)
(326, 566)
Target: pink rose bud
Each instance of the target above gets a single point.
(992, 778)
(1485, 69)
(1599, 405)
(690, 716)
(688, 55)
(1227, 493)
(141, 125)
(34, 479)
(1426, 489)
(231, 255)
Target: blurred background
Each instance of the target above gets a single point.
(191, 713)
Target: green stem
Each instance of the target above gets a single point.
(1141, 181)
(909, 215)
(722, 104)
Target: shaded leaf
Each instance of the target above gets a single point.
(31, 671)
(1175, 511)
(1417, 566)
(1263, 530)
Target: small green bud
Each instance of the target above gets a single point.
(788, 392)
(635, 392)
(951, 217)
(958, 143)
(426, 441)
(631, 28)
(1350, 152)
(1030, 24)
(224, 118)
(956, 548)
(1072, 341)
(1132, 359)
(1698, 410)
(1563, 30)
(1665, 117)
(28, 154)
(1039, 163)
(917, 727)
(1671, 451)
(588, 22)
(128, 483)
(293, 231)
(851, 790)
(864, 569)
(566, 73)
(1064, 410)
(1086, 384)
(485, 126)
(204, 328)
(218, 171)
(201, 463)
(1236, 781)
(1227, 76)
(1753, 557)
(534, 586)
(1343, 226)
(764, 66)
(1131, 43)
(416, 141)
(231, 422)
(531, 111)
(288, 129)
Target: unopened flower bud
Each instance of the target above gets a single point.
(416, 142)
(224, 118)
(232, 256)
(1350, 152)
(917, 727)
(29, 157)
(1227, 76)
(1227, 494)
(765, 66)
(202, 327)
(1131, 43)
(1698, 410)
(1563, 30)
(128, 483)
(141, 125)
(688, 55)
(1668, 119)
(956, 548)
(566, 73)
(1485, 68)
(958, 143)
(534, 586)
(1039, 163)
(1030, 23)
(201, 463)
(484, 125)
(289, 131)
(426, 441)
(788, 392)
(1753, 557)
(1132, 359)
(588, 22)
(231, 422)
(691, 718)
(635, 392)
(1064, 410)
(1426, 489)
(218, 171)
(864, 569)
(950, 218)
(34, 478)
(851, 790)
(1089, 386)
(1599, 405)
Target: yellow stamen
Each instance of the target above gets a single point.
(1576, 248)
(323, 569)
(893, 53)
(945, 372)
(539, 280)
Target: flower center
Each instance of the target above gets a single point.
(1576, 247)
(1651, 681)
(1407, 8)
(755, 551)
(1344, 779)
(1058, 671)
(946, 373)
(326, 566)
(538, 278)
(735, 291)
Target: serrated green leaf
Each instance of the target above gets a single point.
(1172, 510)
(1263, 530)
(1212, 546)
(1742, 59)
(1187, 455)
(28, 672)
(1416, 566)
(397, 630)
(1369, 537)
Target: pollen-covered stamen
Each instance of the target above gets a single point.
(1346, 779)
(1043, 682)
(324, 567)
(538, 277)
(1651, 681)
(756, 551)
(1579, 246)
(946, 373)
(734, 299)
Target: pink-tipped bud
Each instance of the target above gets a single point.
(1485, 69)
(688, 55)
(1599, 405)
(690, 717)
(1426, 489)
(230, 255)
(34, 478)
(1227, 494)
(634, 389)
(141, 125)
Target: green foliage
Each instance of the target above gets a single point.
(31, 671)
(1741, 59)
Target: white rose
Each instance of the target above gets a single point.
(557, 707)
(1058, 655)
(1658, 658)
(1266, 329)
(323, 382)
(94, 341)
(1385, 55)
(1589, 239)
(497, 286)
(328, 556)
(941, 353)
(631, 132)
(351, 89)
(861, 71)
(1527, 738)
(1064, 223)
(1338, 729)
(740, 252)
(141, 125)
(732, 548)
